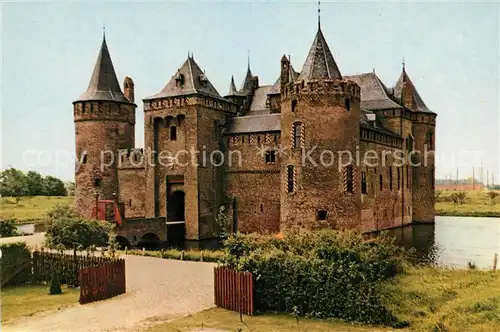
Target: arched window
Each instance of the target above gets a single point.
(297, 135)
(173, 133)
(290, 178)
(349, 182)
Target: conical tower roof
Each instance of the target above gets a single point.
(103, 84)
(404, 82)
(246, 87)
(188, 80)
(319, 63)
(232, 88)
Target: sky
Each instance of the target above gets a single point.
(48, 51)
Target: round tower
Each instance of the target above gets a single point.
(104, 124)
(320, 118)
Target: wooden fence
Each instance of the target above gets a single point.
(67, 266)
(102, 282)
(233, 290)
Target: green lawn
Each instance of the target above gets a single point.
(478, 204)
(230, 321)
(30, 208)
(27, 300)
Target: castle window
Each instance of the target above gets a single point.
(290, 178)
(294, 105)
(297, 135)
(270, 157)
(390, 178)
(399, 178)
(381, 182)
(407, 176)
(261, 208)
(130, 202)
(349, 180)
(363, 183)
(430, 141)
(179, 79)
(347, 104)
(409, 144)
(173, 133)
(322, 215)
(97, 182)
(84, 158)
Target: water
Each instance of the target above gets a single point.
(26, 229)
(453, 241)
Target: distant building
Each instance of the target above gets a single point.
(268, 192)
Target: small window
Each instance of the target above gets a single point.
(347, 103)
(261, 208)
(322, 215)
(399, 178)
(84, 158)
(173, 133)
(390, 177)
(349, 180)
(363, 183)
(97, 182)
(130, 202)
(408, 176)
(290, 178)
(294, 105)
(381, 182)
(430, 141)
(270, 157)
(297, 135)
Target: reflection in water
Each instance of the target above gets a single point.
(452, 241)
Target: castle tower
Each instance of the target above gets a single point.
(187, 115)
(104, 123)
(423, 132)
(320, 117)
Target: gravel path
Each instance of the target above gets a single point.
(158, 290)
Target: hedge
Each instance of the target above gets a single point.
(322, 274)
(188, 255)
(15, 264)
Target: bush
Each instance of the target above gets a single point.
(323, 274)
(83, 233)
(8, 228)
(15, 263)
(62, 211)
(55, 284)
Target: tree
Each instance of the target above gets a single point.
(53, 186)
(8, 228)
(34, 184)
(12, 183)
(492, 195)
(69, 232)
(70, 188)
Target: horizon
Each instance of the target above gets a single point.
(454, 66)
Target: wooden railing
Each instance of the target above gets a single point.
(233, 290)
(103, 281)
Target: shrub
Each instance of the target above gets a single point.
(62, 211)
(15, 263)
(8, 228)
(322, 274)
(55, 284)
(492, 195)
(83, 233)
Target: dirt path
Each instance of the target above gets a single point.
(157, 290)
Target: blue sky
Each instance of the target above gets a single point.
(48, 52)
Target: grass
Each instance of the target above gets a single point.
(30, 209)
(189, 255)
(230, 321)
(478, 204)
(429, 299)
(433, 299)
(28, 300)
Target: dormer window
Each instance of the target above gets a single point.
(203, 79)
(179, 79)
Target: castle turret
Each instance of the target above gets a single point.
(320, 116)
(128, 89)
(422, 145)
(104, 123)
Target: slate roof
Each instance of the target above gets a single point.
(319, 62)
(232, 88)
(403, 80)
(246, 86)
(103, 84)
(194, 82)
(374, 94)
(254, 124)
(259, 99)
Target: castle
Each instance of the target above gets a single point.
(302, 144)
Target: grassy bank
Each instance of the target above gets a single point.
(476, 204)
(187, 255)
(28, 300)
(429, 299)
(31, 209)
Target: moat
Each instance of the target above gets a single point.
(453, 241)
